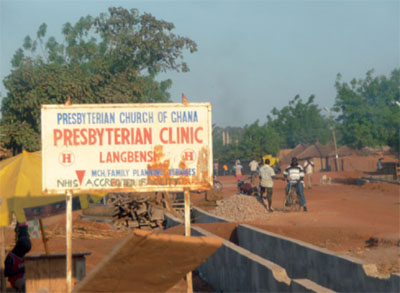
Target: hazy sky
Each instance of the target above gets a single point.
(252, 55)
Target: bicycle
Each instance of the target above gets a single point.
(292, 200)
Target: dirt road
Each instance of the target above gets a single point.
(362, 221)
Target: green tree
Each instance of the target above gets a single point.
(252, 141)
(112, 58)
(299, 123)
(230, 151)
(258, 141)
(367, 111)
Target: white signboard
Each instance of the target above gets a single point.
(126, 147)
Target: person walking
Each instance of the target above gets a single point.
(379, 164)
(225, 167)
(238, 171)
(267, 173)
(216, 167)
(14, 264)
(309, 170)
(253, 170)
(294, 174)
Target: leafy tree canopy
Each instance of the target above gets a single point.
(112, 58)
(368, 114)
(299, 123)
(248, 143)
(296, 123)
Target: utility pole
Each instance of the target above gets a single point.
(398, 159)
(334, 137)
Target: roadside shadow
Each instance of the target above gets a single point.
(346, 181)
(234, 237)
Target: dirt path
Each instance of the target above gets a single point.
(341, 218)
(362, 221)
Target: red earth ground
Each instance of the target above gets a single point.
(362, 221)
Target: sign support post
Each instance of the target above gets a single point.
(68, 237)
(189, 282)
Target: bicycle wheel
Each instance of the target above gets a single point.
(297, 203)
(292, 197)
(287, 203)
(217, 185)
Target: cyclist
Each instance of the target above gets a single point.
(294, 174)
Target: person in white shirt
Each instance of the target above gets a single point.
(266, 183)
(253, 170)
(309, 170)
(238, 170)
(238, 174)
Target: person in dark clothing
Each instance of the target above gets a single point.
(294, 174)
(14, 264)
(245, 188)
(379, 165)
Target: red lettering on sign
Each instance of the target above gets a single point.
(66, 158)
(162, 135)
(189, 156)
(57, 135)
(196, 134)
(80, 174)
(126, 157)
(101, 136)
(181, 135)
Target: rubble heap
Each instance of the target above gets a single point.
(240, 207)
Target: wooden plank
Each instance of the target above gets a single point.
(46, 273)
(57, 275)
(148, 262)
(44, 239)
(37, 275)
(79, 269)
(187, 212)
(189, 282)
(167, 201)
(68, 236)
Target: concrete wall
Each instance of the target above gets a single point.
(197, 216)
(301, 260)
(234, 269)
(201, 216)
(261, 252)
(171, 221)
